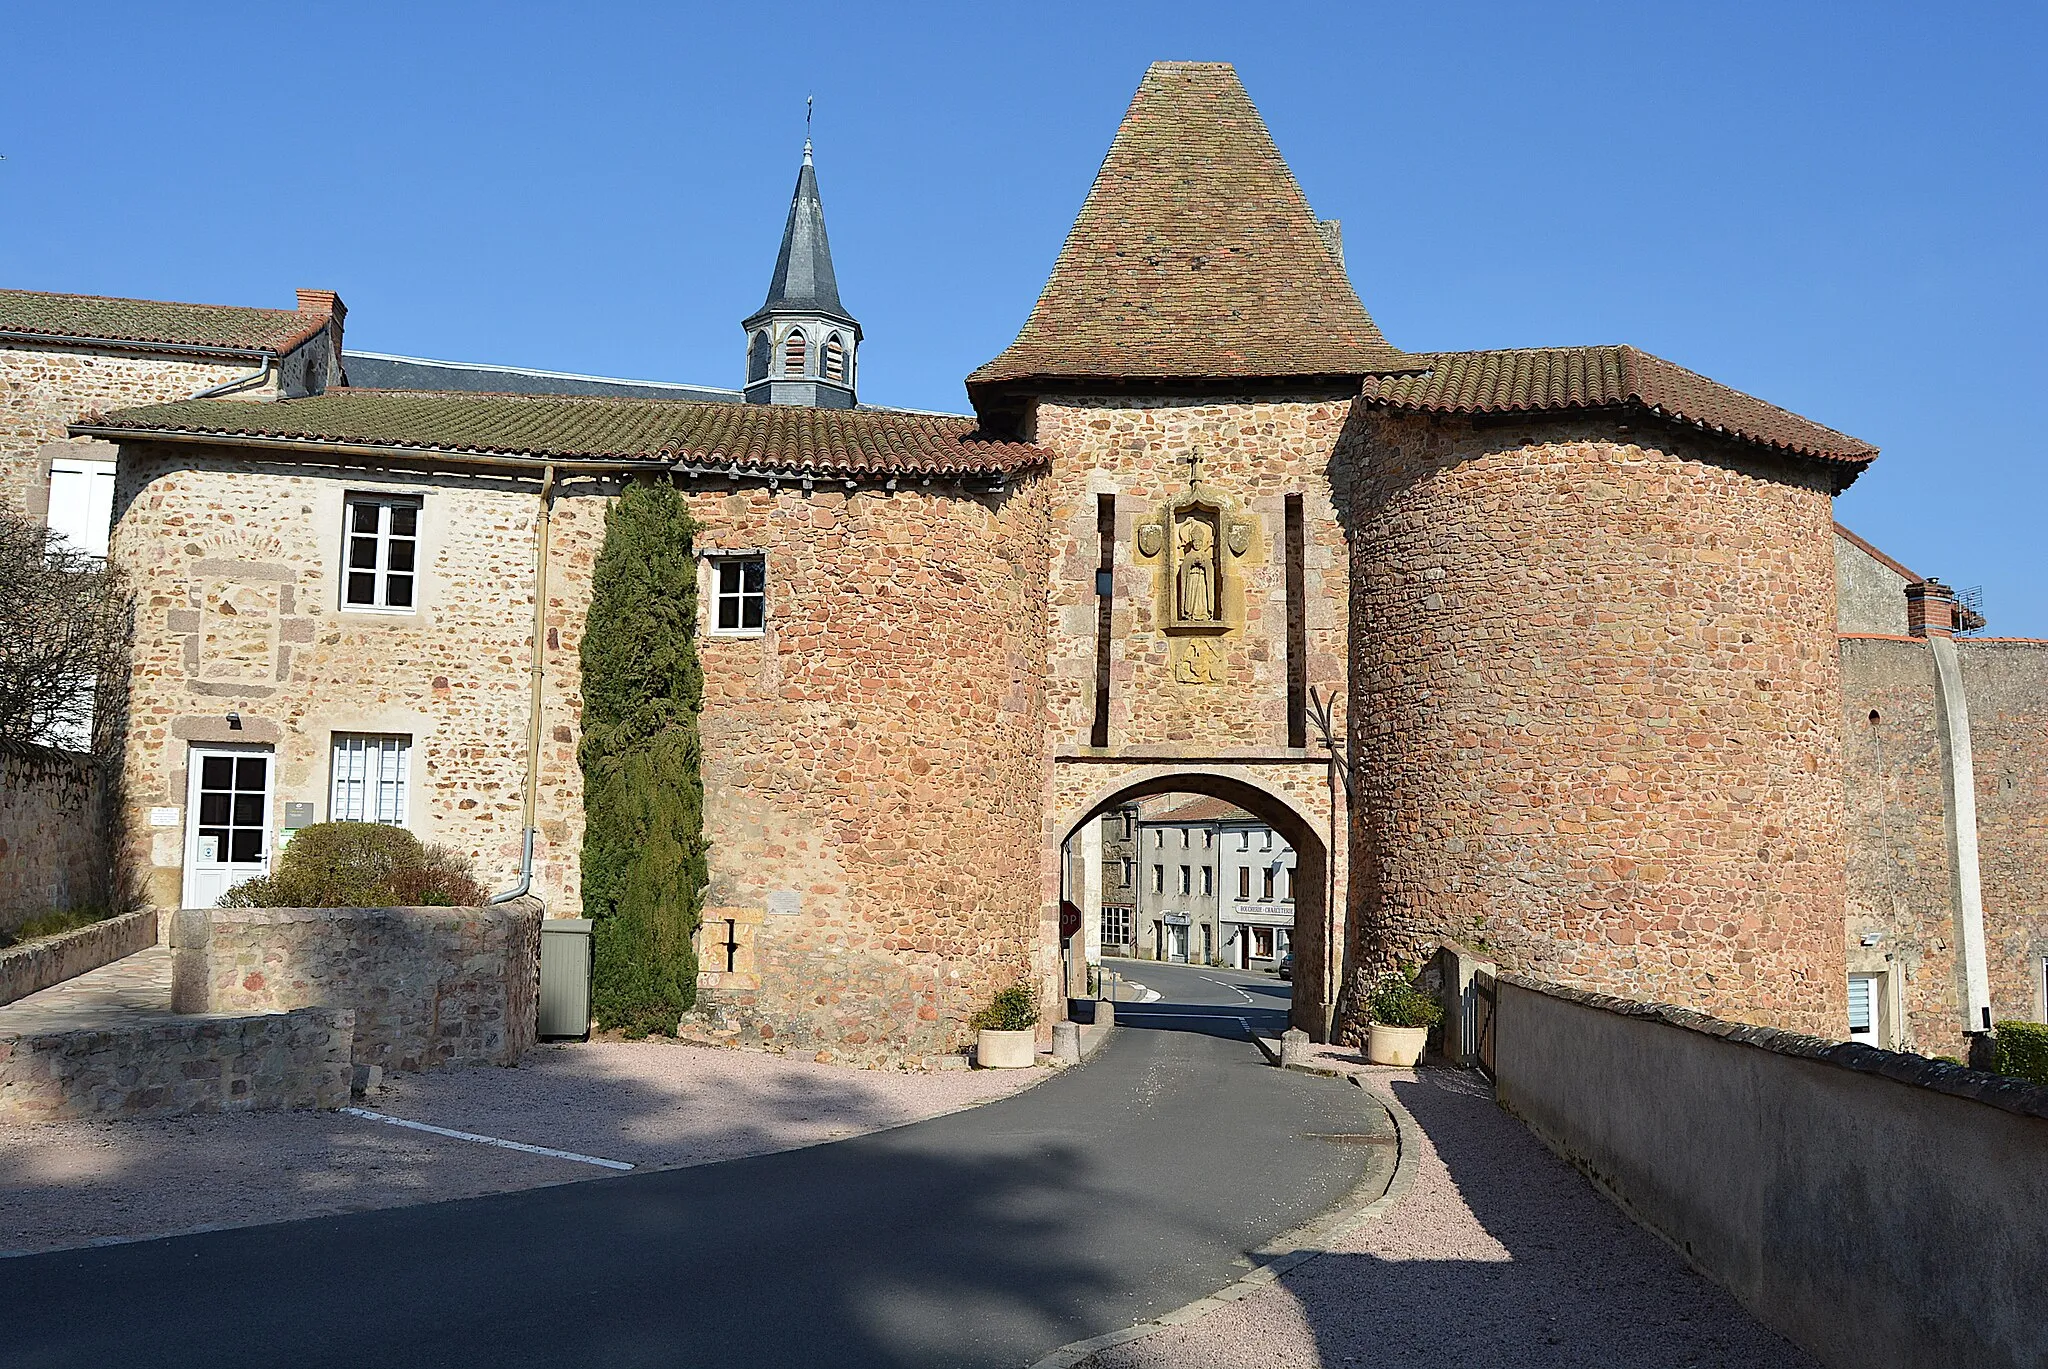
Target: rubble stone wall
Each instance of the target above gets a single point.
(428, 987)
(1596, 711)
(52, 853)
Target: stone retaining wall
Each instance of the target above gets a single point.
(51, 856)
(167, 1068)
(39, 964)
(427, 986)
(1879, 1209)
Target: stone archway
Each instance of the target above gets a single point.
(1284, 805)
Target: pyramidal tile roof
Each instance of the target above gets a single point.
(1195, 256)
(146, 322)
(748, 437)
(1552, 379)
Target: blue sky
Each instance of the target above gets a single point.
(1835, 208)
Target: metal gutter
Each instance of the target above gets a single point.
(537, 674)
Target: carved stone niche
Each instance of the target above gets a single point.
(1193, 532)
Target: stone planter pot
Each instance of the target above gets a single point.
(1385, 1045)
(994, 1050)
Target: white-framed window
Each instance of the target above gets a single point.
(1159, 879)
(1187, 880)
(1208, 880)
(1158, 838)
(82, 502)
(380, 553)
(1288, 887)
(1244, 841)
(1244, 881)
(739, 593)
(1129, 873)
(1266, 889)
(1865, 1007)
(1268, 842)
(1187, 838)
(371, 777)
(1116, 926)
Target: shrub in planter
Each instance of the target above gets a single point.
(2023, 1051)
(1015, 1009)
(360, 865)
(1397, 1003)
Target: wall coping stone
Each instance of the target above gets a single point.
(1917, 1071)
(35, 965)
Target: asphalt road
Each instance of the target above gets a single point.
(1107, 1195)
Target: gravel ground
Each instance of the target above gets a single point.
(1501, 1254)
(653, 1104)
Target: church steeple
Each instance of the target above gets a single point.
(801, 342)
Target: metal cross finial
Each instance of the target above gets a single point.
(808, 99)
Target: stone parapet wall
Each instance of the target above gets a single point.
(426, 987)
(1878, 1209)
(36, 965)
(169, 1068)
(52, 852)
(1595, 711)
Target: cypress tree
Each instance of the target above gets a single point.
(643, 790)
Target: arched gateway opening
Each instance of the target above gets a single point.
(1309, 936)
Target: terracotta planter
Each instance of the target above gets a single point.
(1385, 1045)
(994, 1050)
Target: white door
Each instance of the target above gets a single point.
(1178, 936)
(1863, 1008)
(227, 820)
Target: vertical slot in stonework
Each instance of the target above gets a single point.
(1297, 628)
(1105, 533)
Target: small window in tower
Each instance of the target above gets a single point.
(835, 359)
(793, 353)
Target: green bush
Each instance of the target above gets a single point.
(1014, 1009)
(360, 865)
(54, 924)
(1397, 1003)
(2023, 1051)
(644, 868)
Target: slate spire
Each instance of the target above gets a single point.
(801, 342)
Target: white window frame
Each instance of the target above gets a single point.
(381, 573)
(1873, 1034)
(83, 514)
(376, 768)
(718, 595)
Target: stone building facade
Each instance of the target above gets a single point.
(1536, 650)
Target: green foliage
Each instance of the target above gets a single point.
(1948, 1060)
(644, 869)
(360, 865)
(1014, 1009)
(54, 924)
(2023, 1051)
(1398, 1003)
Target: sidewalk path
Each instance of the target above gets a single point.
(1501, 1255)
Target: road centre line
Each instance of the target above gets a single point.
(1222, 984)
(486, 1140)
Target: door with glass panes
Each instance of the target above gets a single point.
(227, 820)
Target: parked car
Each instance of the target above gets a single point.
(1287, 967)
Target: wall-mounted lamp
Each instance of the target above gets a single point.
(1872, 938)
(234, 721)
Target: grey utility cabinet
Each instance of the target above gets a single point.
(565, 976)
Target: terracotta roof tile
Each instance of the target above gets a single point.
(1195, 256)
(1204, 810)
(1548, 379)
(195, 327)
(765, 437)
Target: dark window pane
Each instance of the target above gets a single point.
(249, 810)
(362, 587)
(217, 772)
(754, 576)
(250, 772)
(246, 846)
(398, 591)
(401, 556)
(365, 517)
(405, 519)
(728, 577)
(213, 808)
(362, 553)
(728, 611)
(750, 613)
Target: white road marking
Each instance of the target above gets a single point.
(486, 1140)
(1232, 987)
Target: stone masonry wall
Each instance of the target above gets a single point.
(429, 987)
(1900, 891)
(52, 856)
(45, 389)
(872, 768)
(1597, 697)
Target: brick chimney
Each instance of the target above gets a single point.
(323, 302)
(1930, 609)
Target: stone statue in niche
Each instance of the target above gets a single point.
(1195, 567)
